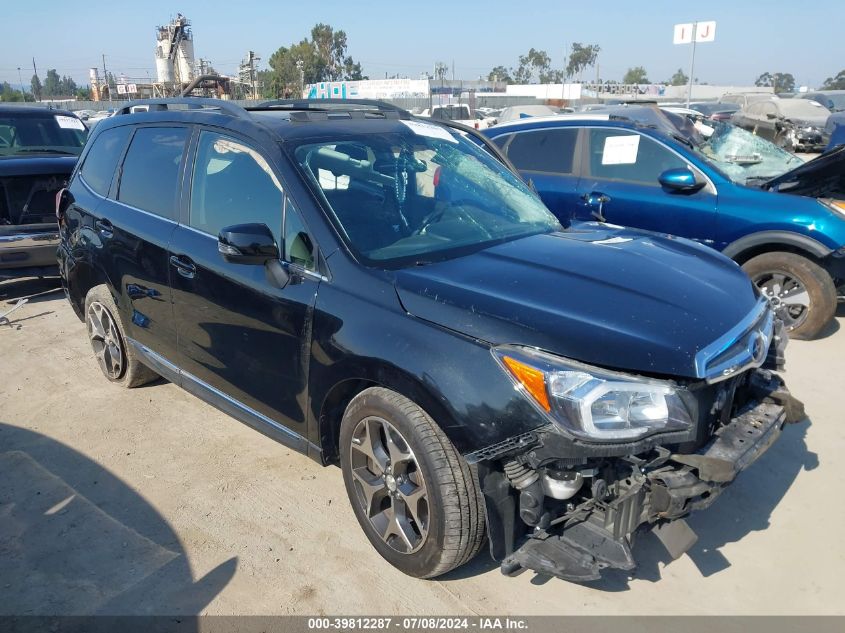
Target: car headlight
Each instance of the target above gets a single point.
(592, 403)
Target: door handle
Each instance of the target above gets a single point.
(184, 267)
(104, 228)
(596, 199)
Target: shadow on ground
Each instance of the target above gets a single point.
(75, 540)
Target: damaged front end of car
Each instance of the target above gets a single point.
(623, 454)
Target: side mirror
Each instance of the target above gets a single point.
(681, 180)
(247, 244)
(771, 115)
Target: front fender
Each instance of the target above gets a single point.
(454, 378)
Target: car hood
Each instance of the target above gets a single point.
(36, 165)
(613, 297)
(821, 177)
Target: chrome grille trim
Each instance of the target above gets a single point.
(744, 346)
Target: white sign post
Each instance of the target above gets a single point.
(693, 33)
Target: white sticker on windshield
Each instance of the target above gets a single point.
(613, 240)
(432, 131)
(620, 150)
(69, 123)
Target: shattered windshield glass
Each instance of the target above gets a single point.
(743, 157)
(419, 194)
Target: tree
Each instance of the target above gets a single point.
(83, 93)
(678, 79)
(835, 83)
(500, 73)
(636, 75)
(581, 58)
(535, 63)
(52, 83)
(35, 85)
(322, 58)
(10, 94)
(781, 82)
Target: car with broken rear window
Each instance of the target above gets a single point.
(38, 150)
(377, 291)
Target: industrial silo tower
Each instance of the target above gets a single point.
(174, 52)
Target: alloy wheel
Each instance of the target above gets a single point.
(105, 340)
(787, 296)
(389, 484)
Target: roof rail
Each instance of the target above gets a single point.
(192, 103)
(330, 104)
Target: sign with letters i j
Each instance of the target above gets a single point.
(701, 31)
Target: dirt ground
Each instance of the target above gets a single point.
(150, 501)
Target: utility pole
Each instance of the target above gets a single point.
(106, 76)
(692, 63)
(252, 60)
(300, 65)
(20, 79)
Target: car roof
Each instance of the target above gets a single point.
(282, 119)
(32, 111)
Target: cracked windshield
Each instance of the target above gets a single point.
(420, 193)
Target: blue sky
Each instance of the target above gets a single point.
(408, 38)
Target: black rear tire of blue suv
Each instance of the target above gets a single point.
(451, 528)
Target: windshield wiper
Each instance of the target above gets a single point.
(683, 139)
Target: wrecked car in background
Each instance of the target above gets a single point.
(471, 365)
(38, 150)
(708, 181)
(794, 124)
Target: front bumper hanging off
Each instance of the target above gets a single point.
(600, 536)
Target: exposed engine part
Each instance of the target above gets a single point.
(532, 506)
(519, 475)
(561, 484)
(599, 490)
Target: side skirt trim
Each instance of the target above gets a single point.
(220, 400)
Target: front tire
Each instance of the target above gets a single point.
(800, 291)
(117, 360)
(417, 500)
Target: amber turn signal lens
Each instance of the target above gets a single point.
(532, 379)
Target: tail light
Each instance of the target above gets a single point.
(61, 204)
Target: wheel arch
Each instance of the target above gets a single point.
(337, 398)
(755, 244)
(81, 278)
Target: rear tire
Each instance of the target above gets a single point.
(117, 360)
(391, 450)
(800, 291)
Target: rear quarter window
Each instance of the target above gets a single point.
(98, 169)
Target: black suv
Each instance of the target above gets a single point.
(378, 291)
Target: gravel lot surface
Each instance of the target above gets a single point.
(150, 501)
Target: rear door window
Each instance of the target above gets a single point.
(544, 150)
(98, 169)
(150, 177)
(628, 156)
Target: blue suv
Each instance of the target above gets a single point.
(714, 183)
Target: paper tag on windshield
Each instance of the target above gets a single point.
(620, 150)
(431, 131)
(69, 123)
